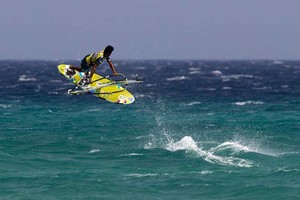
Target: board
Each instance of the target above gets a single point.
(113, 93)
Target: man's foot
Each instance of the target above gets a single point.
(69, 72)
(85, 80)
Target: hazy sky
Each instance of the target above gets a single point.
(150, 29)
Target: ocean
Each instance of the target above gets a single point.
(198, 129)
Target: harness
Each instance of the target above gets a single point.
(95, 58)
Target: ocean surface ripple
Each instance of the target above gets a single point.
(198, 130)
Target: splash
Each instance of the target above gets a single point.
(236, 147)
(190, 146)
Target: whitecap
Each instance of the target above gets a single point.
(206, 89)
(131, 155)
(277, 62)
(151, 85)
(242, 103)
(94, 150)
(217, 73)
(206, 172)
(238, 76)
(141, 175)
(284, 86)
(193, 70)
(192, 103)
(177, 78)
(149, 145)
(24, 78)
(226, 88)
(5, 106)
(94, 110)
(227, 78)
(288, 169)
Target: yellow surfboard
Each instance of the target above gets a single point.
(112, 93)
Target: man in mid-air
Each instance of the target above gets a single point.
(90, 63)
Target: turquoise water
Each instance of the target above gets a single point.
(197, 130)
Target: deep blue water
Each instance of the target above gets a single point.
(197, 130)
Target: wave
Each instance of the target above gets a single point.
(193, 70)
(94, 110)
(141, 175)
(25, 78)
(242, 103)
(294, 169)
(131, 155)
(151, 85)
(237, 76)
(5, 106)
(192, 103)
(262, 88)
(188, 144)
(206, 89)
(277, 62)
(236, 147)
(226, 78)
(217, 73)
(177, 78)
(94, 150)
